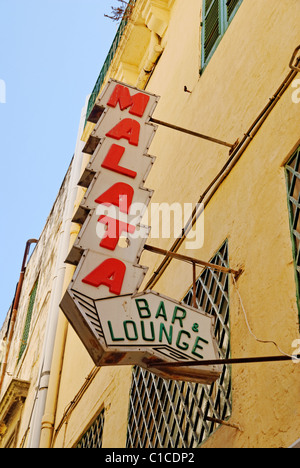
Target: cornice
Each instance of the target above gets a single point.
(16, 392)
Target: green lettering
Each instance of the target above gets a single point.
(112, 333)
(161, 311)
(152, 332)
(183, 345)
(197, 346)
(175, 317)
(168, 336)
(134, 329)
(145, 307)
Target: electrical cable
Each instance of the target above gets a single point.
(249, 328)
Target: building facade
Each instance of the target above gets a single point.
(227, 74)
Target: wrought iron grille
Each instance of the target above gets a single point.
(293, 186)
(171, 414)
(93, 436)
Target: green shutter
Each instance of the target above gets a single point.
(27, 322)
(217, 15)
(231, 6)
(211, 25)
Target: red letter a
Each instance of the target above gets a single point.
(110, 273)
(128, 129)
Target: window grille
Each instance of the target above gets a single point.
(217, 15)
(171, 414)
(27, 322)
(93, 436)
(293, 187)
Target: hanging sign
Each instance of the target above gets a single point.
(118, 325)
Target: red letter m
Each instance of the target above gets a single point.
(121, 96)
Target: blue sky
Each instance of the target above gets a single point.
(51, 52)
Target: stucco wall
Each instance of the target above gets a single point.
(41, 267)
(249, 209)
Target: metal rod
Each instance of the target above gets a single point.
(213, 362)
(190, 132)
(292, 66)
(194, 286)
(192, 260)
(224, 423)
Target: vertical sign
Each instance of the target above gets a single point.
(117, 325)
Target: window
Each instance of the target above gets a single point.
(93, 436)
(293, 187)
(217, 15)
(28, 321)
(171, 414)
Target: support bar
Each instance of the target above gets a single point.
(213, 362)
(224, 423)
(190, 132)
(194, 287)
(192, 260)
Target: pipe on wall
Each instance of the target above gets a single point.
(56, 324)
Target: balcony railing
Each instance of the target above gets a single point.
(109, 57)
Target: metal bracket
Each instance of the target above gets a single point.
(229, 361)
(293, 66)
(192, 260)
(195, 134)
(234, 146)
(224, 423)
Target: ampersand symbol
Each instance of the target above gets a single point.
(195, 327)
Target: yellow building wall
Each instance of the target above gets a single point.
(249, 209)
(41, 268)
